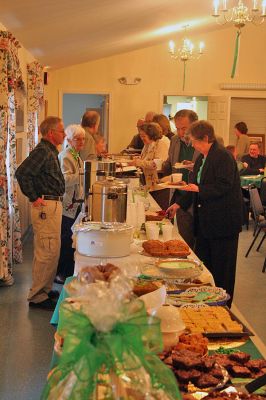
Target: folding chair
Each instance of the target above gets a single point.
(264, 266)
(263, 191)
(259, 216)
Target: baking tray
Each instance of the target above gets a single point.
(246, 330)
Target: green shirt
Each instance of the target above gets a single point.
(200, 171)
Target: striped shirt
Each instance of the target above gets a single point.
(40, 173)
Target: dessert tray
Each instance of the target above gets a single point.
(199, 295)
(190, 270)
(180, 255)
(213, 321)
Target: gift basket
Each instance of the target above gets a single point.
(110, 346)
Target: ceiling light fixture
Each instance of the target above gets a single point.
(129, 81)
(239, 16)
(185, 52)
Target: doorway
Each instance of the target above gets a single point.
(76, 104)
(199, 104)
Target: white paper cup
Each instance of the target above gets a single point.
(152, 231)
(158, 163)
(167, 232)
(177, 177)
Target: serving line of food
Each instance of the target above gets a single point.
(205, 346)
(143, 253)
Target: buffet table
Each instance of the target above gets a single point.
(132, 265)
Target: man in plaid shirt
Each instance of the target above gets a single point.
(41, 180)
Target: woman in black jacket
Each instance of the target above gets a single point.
(217, 205)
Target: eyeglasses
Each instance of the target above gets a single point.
(79, 139)
(59, 130)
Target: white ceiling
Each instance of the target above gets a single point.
(66, 32)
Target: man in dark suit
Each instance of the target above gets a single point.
(181, 149)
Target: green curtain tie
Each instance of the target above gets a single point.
(130, 345)
(236, 54)
(184, 75)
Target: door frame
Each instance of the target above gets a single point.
(109, 123)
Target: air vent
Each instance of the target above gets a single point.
(243, 86)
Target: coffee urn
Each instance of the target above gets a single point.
(109, 200)
(95, 170)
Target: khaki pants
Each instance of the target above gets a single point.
(47, 243)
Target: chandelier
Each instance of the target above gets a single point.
(185, 53)
(239, 16)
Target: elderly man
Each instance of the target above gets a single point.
(41, 180)
(253, 162)
(181, 149)
(180, 146)
(90, 123)
(136, 142)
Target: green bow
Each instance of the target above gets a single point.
(131, 345)
(74, 153)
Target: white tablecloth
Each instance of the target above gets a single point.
(134, 263)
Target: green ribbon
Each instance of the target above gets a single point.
(131, 344)
(184, 75)
(236, 54)
(74, 153)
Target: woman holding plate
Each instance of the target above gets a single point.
(156, 146)
(216, 196)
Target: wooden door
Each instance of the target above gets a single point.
(219, 115)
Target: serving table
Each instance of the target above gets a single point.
(132, 263)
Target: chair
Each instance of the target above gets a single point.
(264, 266)
(263, 191)
(259, 216)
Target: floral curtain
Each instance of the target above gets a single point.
(35, 91)
(10, 85)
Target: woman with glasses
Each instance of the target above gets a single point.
(217, 205)
(154, 148)
(72, 168)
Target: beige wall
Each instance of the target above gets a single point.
(161, 75)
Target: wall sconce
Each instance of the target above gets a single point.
(129, 81)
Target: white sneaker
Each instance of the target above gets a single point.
(7, 281)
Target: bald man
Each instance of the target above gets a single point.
(90, 122)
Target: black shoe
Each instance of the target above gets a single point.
(59, 279)
(47, 304)
(53, 294)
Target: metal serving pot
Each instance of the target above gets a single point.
(109, 200)
(97, 239)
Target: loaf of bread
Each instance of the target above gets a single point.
(95, 273)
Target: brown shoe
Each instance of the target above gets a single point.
(53, 294)
(47, 304)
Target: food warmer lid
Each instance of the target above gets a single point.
(110, 184)
(101, 226)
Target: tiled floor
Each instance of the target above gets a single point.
(27, 337)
